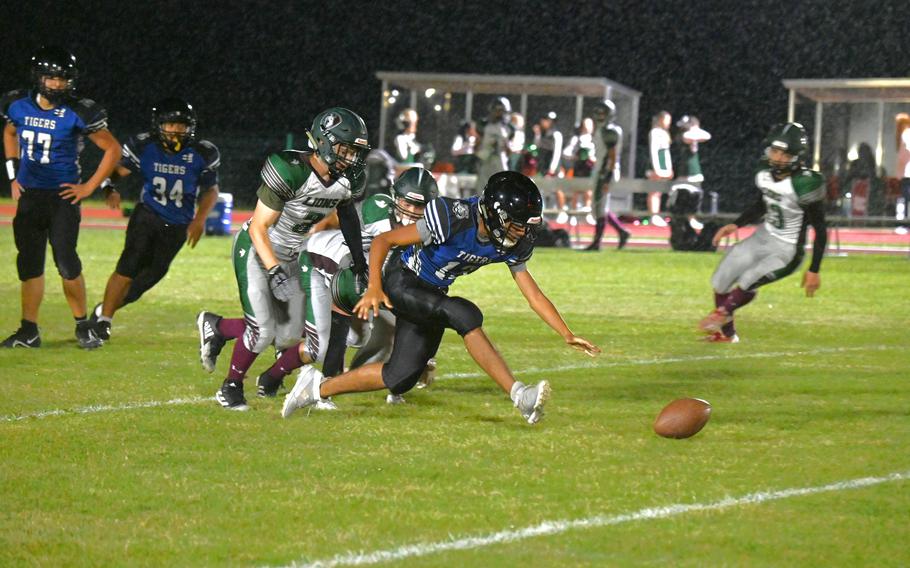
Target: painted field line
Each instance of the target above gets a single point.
(548, 528)
(97, 409)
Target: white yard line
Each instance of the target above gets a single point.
(590, 364)
(547, 528)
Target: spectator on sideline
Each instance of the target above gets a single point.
(464, 147)
(661, 162)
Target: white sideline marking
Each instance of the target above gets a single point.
(557, 527)
(95, 409)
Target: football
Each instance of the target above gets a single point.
(682, 418)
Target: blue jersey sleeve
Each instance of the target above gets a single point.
(9, 98)
(92, 115)
(132, 151)
(212, 158)
(444, 217)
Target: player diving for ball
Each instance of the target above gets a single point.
(299, 188)
(791, 199)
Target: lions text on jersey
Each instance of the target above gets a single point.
(452, 246)
(50, 140)
(171, 181)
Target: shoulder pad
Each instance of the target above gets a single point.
(809, 185)
(376, 208)
(209, 153)
(134, 145)
(92, 114)
(11, 97)
(283, 173)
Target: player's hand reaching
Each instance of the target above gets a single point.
(811, 282)
(373, 299)
(583, 344)
(112, 198)
(76, 192)
(194, 231)
(280, 283)
(724, 231)
(15, 190)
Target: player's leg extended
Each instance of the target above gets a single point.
(63, 235)
(167, 242)
(30, 231)
(138, 248)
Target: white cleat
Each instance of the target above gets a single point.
(658, 221)
(394, 399)
(428, 377)
(530, 400)
(305, 392)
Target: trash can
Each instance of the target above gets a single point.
(219, 219)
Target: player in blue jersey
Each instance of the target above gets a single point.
(42, 139)
(455, 237)
(180, 187)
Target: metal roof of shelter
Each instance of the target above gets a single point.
(851, 90)
(507, 84)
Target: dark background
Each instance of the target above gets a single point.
(256, 70)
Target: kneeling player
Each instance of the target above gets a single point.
(180, 187)
(455, 237)
(791, 199)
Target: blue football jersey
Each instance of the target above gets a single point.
(451, 246)
(50, 140)
(171, 181)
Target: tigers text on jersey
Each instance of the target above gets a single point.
(451, 244)
(171, 181)
(290, 185)
(50, 140)
(785, 200)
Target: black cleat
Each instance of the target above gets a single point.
(267, 387)
(230, 396)
(623, 239)
(86, 336)
(23, 339)
(593, 247)
(102, 328)
(211, 342)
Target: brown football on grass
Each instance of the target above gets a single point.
(682, 418)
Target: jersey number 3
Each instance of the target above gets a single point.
(162, 195)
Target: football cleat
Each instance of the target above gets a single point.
(623, 239)
(210, 340)
(658, 221)
(305, 392)
(530, 400)
(719, 337)
(428, 377)
(714, 321)
(267, 386)
(394, 399)
(230, 396)
(22, 339)
(102, 328)
(86, 336)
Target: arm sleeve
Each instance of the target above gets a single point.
(436, 219)
(130, 155)
(209, 175)
(752, 214)
(815, 216)
(350, 228)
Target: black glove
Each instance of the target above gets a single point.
(280, 284)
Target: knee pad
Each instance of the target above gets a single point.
(68, 265)
(29, 267)
(462, 315)
(257, 339)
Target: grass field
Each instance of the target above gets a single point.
(117, 457)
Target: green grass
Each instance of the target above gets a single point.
(816, 393)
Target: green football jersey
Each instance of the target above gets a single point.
(785, 200)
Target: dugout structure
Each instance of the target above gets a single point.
(443, 101)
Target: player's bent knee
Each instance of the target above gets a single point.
(258, 339)
(70, 269)
(400, 381)
(463, 315)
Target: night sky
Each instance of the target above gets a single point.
(268, 67)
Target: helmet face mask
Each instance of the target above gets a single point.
(786, 148)
(412, 191)
(54, 63)
(511, 209)
(340, 139)
(168, 113)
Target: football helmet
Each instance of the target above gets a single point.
(174, 110)
(53, 61)
(790, 138)
(339, 136)
(499, 107)
(511, 209)
(346, 290)
(603, 111)
(412, 191)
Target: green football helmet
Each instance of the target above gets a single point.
(346, 291)
(412, 191)
(790, 138)
(603, 111)
(340, 138)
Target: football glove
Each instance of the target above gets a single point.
(280, 284)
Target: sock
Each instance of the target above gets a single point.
(29, 327)
(286, 363)
(737, 299)
(231, 328)
(79, 319)
(241, 360)
(105, 318)
(719, 299)
(338, 344)
(614, 222)
(729, 330)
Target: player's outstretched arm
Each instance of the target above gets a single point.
(112, 151)
(815, 215)
(375, 296)
(263, 218)
(204, 205)
(545, 309)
